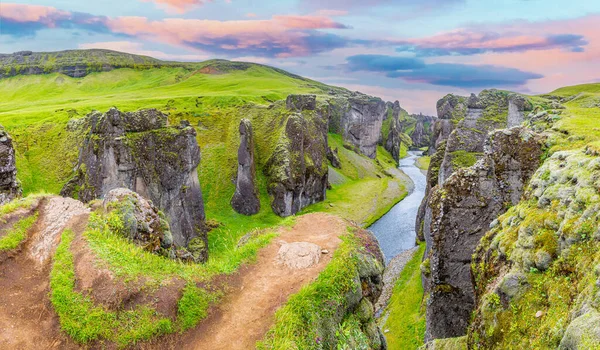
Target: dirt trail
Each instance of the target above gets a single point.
(246, 312)
(27, 320)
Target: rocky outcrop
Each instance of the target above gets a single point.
(299, 103)
(297, 169)
(245, 199)
(334, 158)
(143, 223)
(10, 187)
(140, 152)
(423, 131)
(393, 140)
(541, 258)
(461, 130)
(460, 211)
(358, 119)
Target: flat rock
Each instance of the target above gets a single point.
(299, 255)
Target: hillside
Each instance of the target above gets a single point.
(125, 121)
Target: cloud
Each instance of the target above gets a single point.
(466, 76)
(443, 74)
(279, 36)
(382, 63)
(25, 20)
(348, 4)
(177, 6)
(474, 41)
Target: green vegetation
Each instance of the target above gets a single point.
(363, 190)
(464, 159)
(19, 203)
(405, 325)
(304, 321)
(86, 322)
(17, 233)
(423, 162)
(561, 206)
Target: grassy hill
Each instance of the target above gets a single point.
(214, 95)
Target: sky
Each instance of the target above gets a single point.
(414, 51)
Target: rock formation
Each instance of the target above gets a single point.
(10, 187)
(541, 258)
(358, 119)
(142, 222)
(423, 131)
(334, 158)
(139, 152)
(392, 142)
(245, 199)
(460, 211)
(297, 169)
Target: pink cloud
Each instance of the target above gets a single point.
(32, 13)
(284, 35)
(177, 6)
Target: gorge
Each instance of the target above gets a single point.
(231, 205)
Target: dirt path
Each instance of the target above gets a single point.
(246, 312)
(27, 320)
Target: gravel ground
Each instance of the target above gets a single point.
(390, 275)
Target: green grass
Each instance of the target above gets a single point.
(406, 321)
(17, 233)
(19, 203)
(423, 162)
(132, 262)
(84, 321)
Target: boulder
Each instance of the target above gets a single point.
(138, 151)
(10, 187)
(142, 222)
(459, 213)
(246, 199)
(299, 255)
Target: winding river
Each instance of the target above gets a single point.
(395, 231)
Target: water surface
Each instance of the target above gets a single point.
(395, 231)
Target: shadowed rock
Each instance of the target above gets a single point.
(10, 187)
(459, 213)
(139, 152)
(245, 199)
(301, 103)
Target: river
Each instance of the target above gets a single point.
(395, 231)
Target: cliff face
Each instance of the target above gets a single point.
(469, 184)
(393, 140)
(461, 210)
(297, 169)
(9, 185)
(358, 119)
(541, 258)
(139, 152)
(423, 131)
(245, 199)
(460, 132)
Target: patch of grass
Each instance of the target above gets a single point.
(423, 162)
(84, 321)
(464, 159)
(131, 262)
(193, 306)
(406, 321)
(19, 203)
(17, 233)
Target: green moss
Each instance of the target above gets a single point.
(17, 233)
(464, 159)
(405, 325)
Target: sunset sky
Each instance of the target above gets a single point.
(414, 51)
